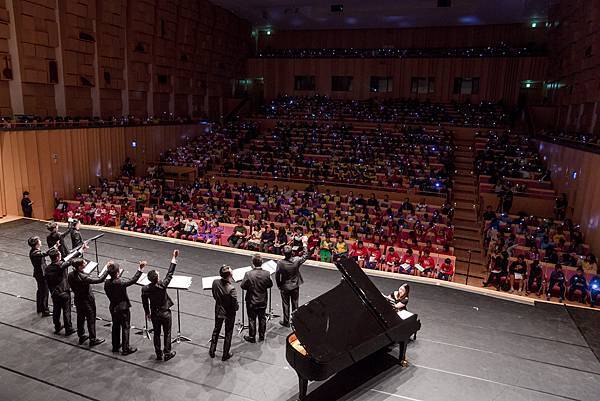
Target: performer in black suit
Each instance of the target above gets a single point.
(157, 305)
(226, 305)
(116, 291)
(38, 260)
(76, 239)
(256, 282)
(27, 205)
(289, 279)
(56, 237)
(58, 285)
(85, 301)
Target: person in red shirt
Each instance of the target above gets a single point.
(407, 259)
(428, 265)
(446, 270)
(392, 260)
(140, 223)
(314, 241)
(374, 256)
(360, 253)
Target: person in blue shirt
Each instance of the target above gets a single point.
(557, 277)
(578, 282)
(595, 288)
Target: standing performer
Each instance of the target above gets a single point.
(226, 305)
(116, 291)
(38, 260)
(58, 285)
(76, 239)
(256, 282)
(157, 306)
(85, 301)
(289, 279)
(55, 237)
(27, 205)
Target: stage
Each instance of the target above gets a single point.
(470, 348)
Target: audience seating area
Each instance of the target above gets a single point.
(338, 154)
(403, 111)
(508, 162)
(209, 212)
(205, 152)
(496, 50)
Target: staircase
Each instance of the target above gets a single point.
(467, 229)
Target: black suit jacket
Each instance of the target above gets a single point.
(287, 275)
(56, 277)
(256, 282)
(56, 237)
(154, 296)
(80, 284)
(116, 291)
(226, 303)
(38, 260)
(76, 239)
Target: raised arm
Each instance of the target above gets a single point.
(63, 235)
(86, 278)
(301, 259)
(172, 267)
(136, 276)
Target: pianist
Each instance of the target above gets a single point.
(399, 297)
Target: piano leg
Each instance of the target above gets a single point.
(302, 388)
(402, 351)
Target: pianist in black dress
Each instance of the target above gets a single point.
(399, 297)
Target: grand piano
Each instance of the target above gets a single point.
(343, 326)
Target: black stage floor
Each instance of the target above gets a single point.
(470, 348)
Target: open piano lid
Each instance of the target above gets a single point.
(345, 317)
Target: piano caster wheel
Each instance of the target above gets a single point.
(404, 363)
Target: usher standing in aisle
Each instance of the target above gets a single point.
(157, 306)
(256, 283)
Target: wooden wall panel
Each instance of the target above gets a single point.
(426, 37)
(500, 78)
(5, 107)
(583, 192)
(59, 162)
(574, 38)
(37, 40)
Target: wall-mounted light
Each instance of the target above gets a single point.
(134, 144)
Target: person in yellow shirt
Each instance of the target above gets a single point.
(341, 248)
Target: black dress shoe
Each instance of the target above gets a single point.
(70, 332)
(83, 339)
(159, 357)
(211, 354)
(115, 350)
(170, 355)
(284, 324)
(128, 351)
(226, 357)
(96, 341)
(57, 329)
(250, 339)
(46, 314)
(261, 339)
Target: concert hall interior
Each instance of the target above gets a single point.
(281, 200)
